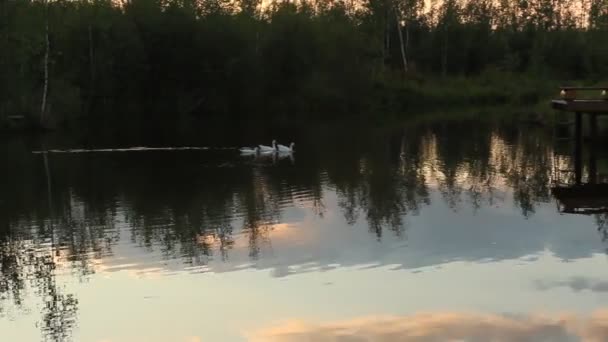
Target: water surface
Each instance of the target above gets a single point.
(418, 231)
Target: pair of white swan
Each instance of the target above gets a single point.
(277, 147)
(268, 149)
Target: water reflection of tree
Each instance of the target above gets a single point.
(191, 210)
(196, 211)
(601, 220)
(29, 254)
(485, 160)
(377, 177)
(529, 168)
(29, 267)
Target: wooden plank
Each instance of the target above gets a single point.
(581, 106)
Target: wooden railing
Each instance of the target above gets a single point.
(571, 93)
(595, 100)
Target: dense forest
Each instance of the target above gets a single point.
(166, 60)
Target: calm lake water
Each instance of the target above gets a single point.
(421, 231)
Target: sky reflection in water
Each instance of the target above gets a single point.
(415, 232)
(442, 326)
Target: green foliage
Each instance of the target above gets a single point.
(173, 59)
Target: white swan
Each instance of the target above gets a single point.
(265, 148)
(249, 150)
(283, 148)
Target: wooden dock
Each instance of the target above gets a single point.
(589, 198)
(579, 101)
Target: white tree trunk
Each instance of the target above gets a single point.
(399, 30)
(407, 37)
(49, 194)
(46, 70)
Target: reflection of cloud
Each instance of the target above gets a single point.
(185, 339)
(445, 327)
(576, 284)
(274, 232)
(193, 339)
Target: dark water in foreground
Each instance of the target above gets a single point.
(416, 232)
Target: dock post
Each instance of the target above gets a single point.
(592, 150)
(578, 148)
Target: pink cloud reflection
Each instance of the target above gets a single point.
(435, 327)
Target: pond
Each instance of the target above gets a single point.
(418, 231)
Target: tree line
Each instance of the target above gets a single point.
(162, 60)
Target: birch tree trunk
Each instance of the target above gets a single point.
(399, 30)
(46, 68)
(407, 37)
(49, 193)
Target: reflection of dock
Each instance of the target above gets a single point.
(589, 198)
(582, 199)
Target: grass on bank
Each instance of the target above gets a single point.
(391, 96)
